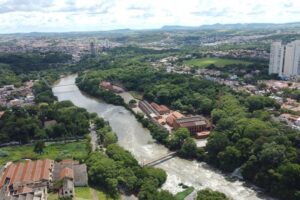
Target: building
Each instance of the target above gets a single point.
(109, 86)
(79, 172)
(172, 117)
(92, 49)
(161, 109)
(194, 124)
(26, 180)
(148, 109)
(31, 180)
(276, 58)
(292, 59)
(285, 59)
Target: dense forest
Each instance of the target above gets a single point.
(245, 136)
(266, 151)
(28, 123)
(16, 68)
(26, 62)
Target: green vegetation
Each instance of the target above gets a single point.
(57, 151)
(103, 196)
(208, 194)
(218, 62)
(28, 123)
(52, 196)
(246, 137)
(184, 193)
(84, 193)
(119, 169)
(26, 62)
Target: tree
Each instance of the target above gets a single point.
(164, 195)
(117, 153)
(208, 194)
(189, 148)
(215, 144)
(272, 154)
(39, 147)
(155, 173)
(132, 102)
(244, 145)
(229, 159)
(178, 138)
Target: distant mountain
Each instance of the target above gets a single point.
(236, 26)
(170, 27)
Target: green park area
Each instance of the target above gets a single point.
(182, 195)
(51, 151)
(86, 193)
(218, 62)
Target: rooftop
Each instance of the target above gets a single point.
(29, 171)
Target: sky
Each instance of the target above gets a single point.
(97, 15)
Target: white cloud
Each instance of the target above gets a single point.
(73, 15)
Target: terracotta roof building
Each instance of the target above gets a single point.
(172, 117)
(148, 109)
(194, 124)
(26, 180)
(161, 109)
(28, 172)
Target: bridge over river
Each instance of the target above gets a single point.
(136, 139)
(159, 160)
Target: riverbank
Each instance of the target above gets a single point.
(136, 139)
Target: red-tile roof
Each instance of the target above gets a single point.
(66, 173)
(30, 171)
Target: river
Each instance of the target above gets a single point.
(133, 137)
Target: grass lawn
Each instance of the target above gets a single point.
(183, 194)
(136, 95)
(83, 193)
(102, 195)
(86, 193)
(219, 62)
(52, 151)
(52, 196)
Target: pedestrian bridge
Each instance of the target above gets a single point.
(160, 159)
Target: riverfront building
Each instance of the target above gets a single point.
(30, 180)
(197, 125)
(285, 59)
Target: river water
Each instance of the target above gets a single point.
(133, 137)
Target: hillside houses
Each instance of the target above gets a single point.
(11, 96)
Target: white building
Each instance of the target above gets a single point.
(276, 58)
(291, 60)
(285, 59)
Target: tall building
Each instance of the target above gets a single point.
(291, 65)
(276, 58)
(285, 59)
(92, 49)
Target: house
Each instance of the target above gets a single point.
(148, 109)
(161, 109)
(31, 180)
(9, 87)
(50, 123)
(172, 117)
(79, 172)
(26, 180)
(194, 124)
(109, 86)
(67, 177)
